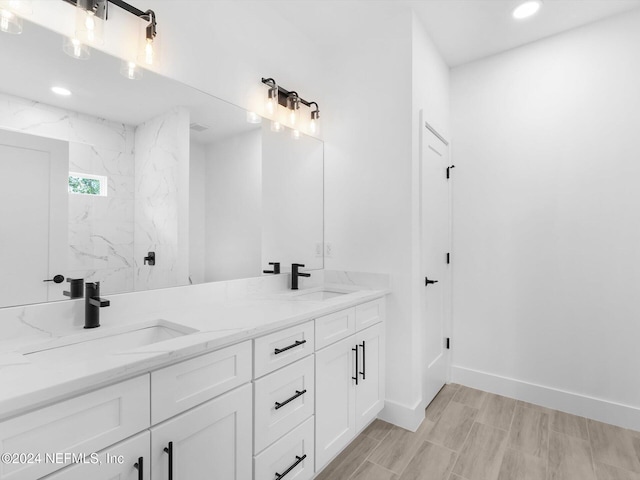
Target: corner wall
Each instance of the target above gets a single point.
(546, 228)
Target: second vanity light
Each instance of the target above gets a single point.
(291, 101)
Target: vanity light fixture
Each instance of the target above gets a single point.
(277, 95)
(90, 18)
(11, 12)
(526, 9)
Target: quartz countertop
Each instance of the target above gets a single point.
(28, 383)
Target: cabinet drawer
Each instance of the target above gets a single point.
(287, 452)
(184, 385)
(273, 421)
(81, 425)
(334, 327)
(111, 466)
(369, 314)
(282, 348)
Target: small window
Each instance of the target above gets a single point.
(87, 184)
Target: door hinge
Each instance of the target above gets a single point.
(448, 343)
(449, 168)
(448, 258)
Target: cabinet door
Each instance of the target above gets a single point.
(209, 442)
(118, 462)
(335, 399)
(370, 389)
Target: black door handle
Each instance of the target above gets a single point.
(290, 399)
(356, 352)
(169, 451)
(364, 361)
(139, 466)
(294, 465)
(429, 282)
(55, 279)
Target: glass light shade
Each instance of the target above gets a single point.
(293, 105)
(314, 123)
(253, 117)
(89, 27)
(131, 70)
(276, 126)
(271, 104)
(75, 48)
(10, 22)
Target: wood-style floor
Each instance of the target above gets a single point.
(473, 435)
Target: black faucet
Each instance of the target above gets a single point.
(276, 268)
(75, 289)
(295, 274)
(92, 305)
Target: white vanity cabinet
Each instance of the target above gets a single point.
(349, 377)
(284, 404)
(209, 441)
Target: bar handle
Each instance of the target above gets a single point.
(169, 451)
(139, 465)
(298, 393)
(355, 349)
(295, 464)
(364, 361)
(297, 344)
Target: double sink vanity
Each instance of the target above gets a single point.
(268, 387)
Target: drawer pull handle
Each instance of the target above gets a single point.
(356, 352)
(364, 362)
(169, 451)
(139, 466)
(298, 393)
(297, 344)
(298, 460)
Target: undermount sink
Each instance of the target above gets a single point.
(319, 295)
(108, 341)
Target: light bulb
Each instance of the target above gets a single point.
(293, 103)
(314, 124)
(271, 105)
(75, 48)
(89, 23)
(276, 126)
(148, 52)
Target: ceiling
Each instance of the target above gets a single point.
(463, 30)
(467, 30)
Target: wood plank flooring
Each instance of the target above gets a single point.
(468, 434)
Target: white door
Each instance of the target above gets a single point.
(335, 402)
(33, 217)
(435, 228)
(211, 441)
(370, 389)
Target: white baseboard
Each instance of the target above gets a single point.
(403, 416)
(606, 411)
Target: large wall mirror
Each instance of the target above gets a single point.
(90, 183)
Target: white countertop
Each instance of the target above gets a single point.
(28, 383)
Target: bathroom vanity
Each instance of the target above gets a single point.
(272, 387)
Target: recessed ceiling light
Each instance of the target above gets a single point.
(526, 9)
(61, 91)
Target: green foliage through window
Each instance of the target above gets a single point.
(86, 185)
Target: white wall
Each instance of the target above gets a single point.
(546, 229)
(197, 211)
(233, 206)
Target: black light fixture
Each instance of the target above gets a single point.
(90, 18)
(291, 100)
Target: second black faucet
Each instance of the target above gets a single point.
(295, 274)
